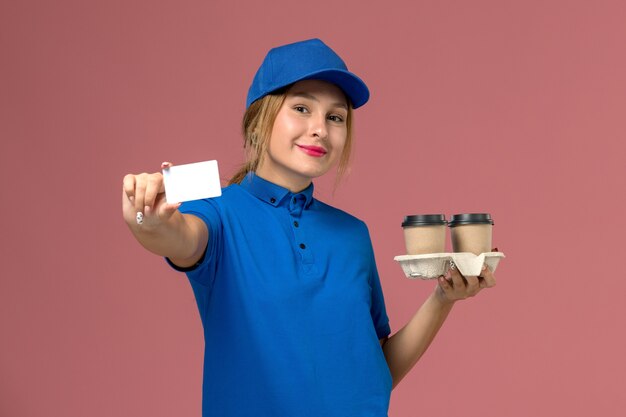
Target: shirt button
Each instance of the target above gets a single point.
(272, 200)
(296, 224)
(302, 246)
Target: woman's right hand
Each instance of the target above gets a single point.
(145, 193)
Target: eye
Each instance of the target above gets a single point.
(335, 118)
(301, 109)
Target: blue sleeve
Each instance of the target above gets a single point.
(203, 272)
(377, 310)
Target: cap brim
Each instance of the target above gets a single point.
(353, 86)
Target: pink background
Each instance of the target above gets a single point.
(512, 107)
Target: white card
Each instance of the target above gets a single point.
(192, 182)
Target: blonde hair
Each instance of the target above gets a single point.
(257, 125)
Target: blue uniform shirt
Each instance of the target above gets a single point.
(291, 306)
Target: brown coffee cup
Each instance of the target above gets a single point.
(424, 233)
(471, 232)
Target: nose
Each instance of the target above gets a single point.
(318, 126)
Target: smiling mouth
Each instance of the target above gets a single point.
(313, 150)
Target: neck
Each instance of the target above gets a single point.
(295, 185)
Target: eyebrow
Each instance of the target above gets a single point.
(312, 97)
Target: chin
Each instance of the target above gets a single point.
(314, 173)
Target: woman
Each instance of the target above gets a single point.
(287, 287)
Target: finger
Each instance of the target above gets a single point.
(458, 281)
(128, 210)
(445, 285)
(473, 286)
(153, 188)
(168, 210)
(481, 282)
(128, 185)
(488, 277)
(164, 209)
(140, 191)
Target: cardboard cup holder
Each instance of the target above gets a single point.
(433, 265)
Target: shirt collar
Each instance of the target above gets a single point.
(273, 194)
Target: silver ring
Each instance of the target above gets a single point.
(139, 217)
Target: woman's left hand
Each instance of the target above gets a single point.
(453, 286)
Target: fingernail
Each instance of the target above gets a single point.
(484, 267)
(165, 164)
(146, 209)
(131, 198)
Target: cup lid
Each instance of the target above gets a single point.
(470, 218)
(424, 220)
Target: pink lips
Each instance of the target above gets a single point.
(312, 150)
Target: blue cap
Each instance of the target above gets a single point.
(305, 60)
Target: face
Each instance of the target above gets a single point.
(308, 135)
